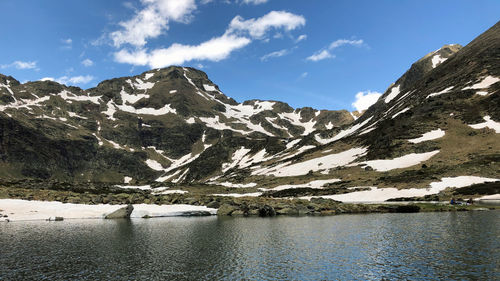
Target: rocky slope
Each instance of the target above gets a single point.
(434, 131)
(435, 128)
(138, 127)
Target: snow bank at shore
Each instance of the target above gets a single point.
(23, 210)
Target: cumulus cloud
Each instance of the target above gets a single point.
(320, 55)
(21, 65)
(326, 53)
(75, 80)
(152, 21)
(239, 34)
(215, 49)
(365, 99)
(276, 54)
(257, 28)
(304, 75)
(87, 62)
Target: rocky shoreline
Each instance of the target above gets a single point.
(224, 206)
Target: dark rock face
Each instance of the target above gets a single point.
(267, 211)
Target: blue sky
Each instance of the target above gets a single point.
(306, 53)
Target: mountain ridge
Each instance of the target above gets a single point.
(173, 126)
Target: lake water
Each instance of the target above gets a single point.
(422, 246)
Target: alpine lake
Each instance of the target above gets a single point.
(390, 246)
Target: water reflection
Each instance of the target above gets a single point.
(360, 247)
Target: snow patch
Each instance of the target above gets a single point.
(24, 210)
(148, 76)
(382, 194)
(141, 85)
(432, 135)
(141, 187)
(441, 92)
(343, 133)
(146, 210)
(173, 191)
(483, 84)
(236, 159)
(25, 103)
(295, 119)
(131, 98)
(155, 165)
(72, 114)
(353, 116)
(489, 124)
(237, 195)
(209, 88)
(315, 164)
(401, 112)
(399, 162)
(237, 185)
(292, 143)
(436, 60)
(317, 184)
(394, 93)
(460, 181)
(329, 126)
(66, 95)
(110, 110)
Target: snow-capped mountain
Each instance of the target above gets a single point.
(156, 122)
(438, 123)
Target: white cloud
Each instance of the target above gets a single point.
(257, 28)
(276, 54)
(304, 75)
(325, 53)
(255, 2)
(215, 49)
(87, 62)
(71, 80)
(321, 55)
(341, 42)
(152, 21)
(67, 43)
(21, 65)
(365, 99)
(301, 38)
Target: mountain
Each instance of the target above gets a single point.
(137, 126)
(435, 127)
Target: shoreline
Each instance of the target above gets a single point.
(17, 210)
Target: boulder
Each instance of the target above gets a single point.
(267, 211)
(122, 213)
(226, 210)
(55, 219)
